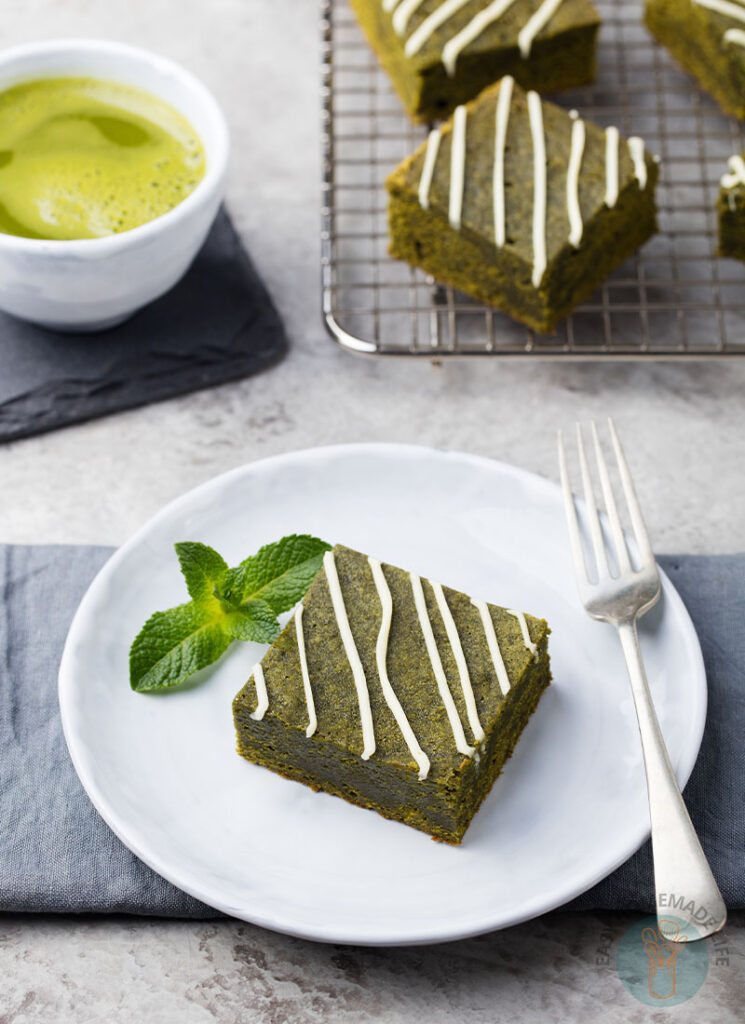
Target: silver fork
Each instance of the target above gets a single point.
(684, 885)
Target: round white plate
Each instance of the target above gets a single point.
(570, 806)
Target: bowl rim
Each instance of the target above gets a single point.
(217, 155)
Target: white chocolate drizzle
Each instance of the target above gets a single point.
(403, 13)
(636, 152)
(438, 17)
(457, 167)
(434, 656)
(381, 655)
(350, 649)
(725, 7)
(454, 47)
(428, 168)
(736, 174)
(525, 632)
(310, 704)
(535, 113)
(575, 164)
(262, 697)
(535, 23)
(504, 101)
(611, 167)
(493, 644)
(404, 9)
(460, 662)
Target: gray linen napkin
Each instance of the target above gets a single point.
(57, 854)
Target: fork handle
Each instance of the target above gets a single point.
(685, 888)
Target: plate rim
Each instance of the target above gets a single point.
(432, 935)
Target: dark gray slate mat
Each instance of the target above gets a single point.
(217, 324)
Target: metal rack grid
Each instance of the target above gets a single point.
(675, 299)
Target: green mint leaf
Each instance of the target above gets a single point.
(227, 604)
(203, 569)
(278, 574)
(172, 645)
(255, 621)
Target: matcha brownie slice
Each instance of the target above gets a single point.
(731, 210)
(395, 693)
(707, 38)
(521, 204)
(440, 53)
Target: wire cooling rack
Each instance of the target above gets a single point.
(675, 299)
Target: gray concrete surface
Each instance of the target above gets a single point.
(684, 427)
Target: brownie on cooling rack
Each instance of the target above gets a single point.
(395, 693)
(521, 204)
(731, 210)
(707, 38)
(440, 53)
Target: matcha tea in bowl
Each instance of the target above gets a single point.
(112, 167)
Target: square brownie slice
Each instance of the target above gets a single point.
(395, 693)
(440, 53)
(522, 204)
(707, 39)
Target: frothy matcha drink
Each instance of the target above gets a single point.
(84, 158)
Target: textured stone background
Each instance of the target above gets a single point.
(685, 428)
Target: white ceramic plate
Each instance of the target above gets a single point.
(571, 804)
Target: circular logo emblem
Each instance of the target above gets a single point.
(657, 970)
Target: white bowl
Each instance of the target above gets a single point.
(93, 283)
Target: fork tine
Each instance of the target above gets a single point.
(635, 512)
(611, 508)
(575, 540)
(596, 533)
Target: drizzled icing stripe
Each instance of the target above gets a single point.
(312, 720)
(728, 9)
(381, 655)
(636, 152)
(262, 696)
(734, 35)
(535, 113)
(403, 13)
(534, 25)
(438, 17)
(493, 644)
(460, 661)
(457, 167)
(434, 657)
(350, 649)
(736, 175)
(502, 119)
(611, 166)
(575, 164)
(525, 632)
(454, 47)
(428, 168)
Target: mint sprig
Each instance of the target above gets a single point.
(226, 604)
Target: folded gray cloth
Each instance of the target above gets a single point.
(57, 854)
